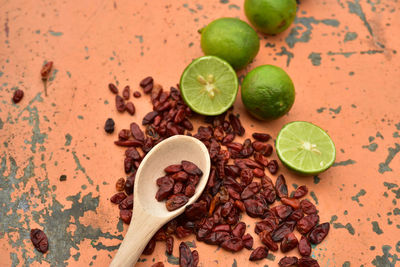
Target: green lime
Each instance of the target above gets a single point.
(209, 85)
(270, 16)
(230, 39)
(267, 92)
(305, 148)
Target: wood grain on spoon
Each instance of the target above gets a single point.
(149, 215)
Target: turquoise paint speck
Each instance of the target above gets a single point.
(350, 36)
(356, 198)
(233, 6)
(288, 54)
(69, 74)
(302, 30)
(79, 167)
(53, 75)
(68, 139)
(344, 163)
(384, 166)
(314, 197)
(376, 228)
(1, 73)
(55, 33)
(371, 147)
(140, 38)
(336, 110)
(315, 58)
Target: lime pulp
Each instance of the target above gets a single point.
(209, 85)
(305, 148)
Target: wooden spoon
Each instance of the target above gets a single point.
(149, 215)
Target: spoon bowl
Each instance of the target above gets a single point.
(149, 215)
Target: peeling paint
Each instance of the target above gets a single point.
(306, 24)
(384, 166)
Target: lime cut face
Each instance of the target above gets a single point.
(305, 148)
(209, 85)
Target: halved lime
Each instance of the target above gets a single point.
(209, 85)
(305, 148)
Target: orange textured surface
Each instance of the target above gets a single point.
(341, 55)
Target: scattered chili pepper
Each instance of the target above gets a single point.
(46, 69)
(113, 88)
(109, 126)
(45, 73)
(39, 240)
(17, 96)
(237, 183)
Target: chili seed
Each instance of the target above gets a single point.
(46, 69)
(118, 198)
(130, 107)
(126, 216)
(126, 92)
(272, 166)
(319, 233)
(120, 103)
(304, 246)
(169, 242)
(146, 81)
(17, 96)
(288, 262)
(39, 240)
(300, 192)
(120, 185)
(262, 137)
(109, 126)
(259, 253)
(307, 262)
(289, 242)
(124, 134)
(113, 88)
(248, 241)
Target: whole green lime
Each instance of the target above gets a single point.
(232, 40)
(267, 92)
(270, 16)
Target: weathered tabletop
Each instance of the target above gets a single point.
(342, 56)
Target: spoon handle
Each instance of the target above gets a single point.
(142, 228)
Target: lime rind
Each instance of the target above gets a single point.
(305, 148)
(225, 82)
